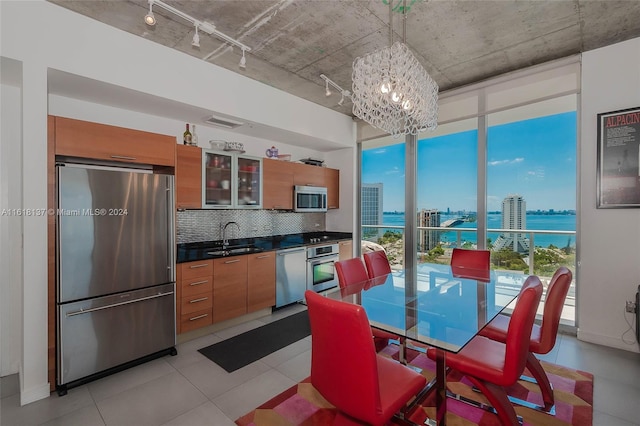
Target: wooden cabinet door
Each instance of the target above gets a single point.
(85, 139)
(308, 175)
(261, 285)
(332, 180)
(345, 249)
(229, 287)
(188, 177)
(278, 184)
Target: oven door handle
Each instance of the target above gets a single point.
(323, 259)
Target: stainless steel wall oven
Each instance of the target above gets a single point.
(321, 271)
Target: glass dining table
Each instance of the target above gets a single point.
(441, 306)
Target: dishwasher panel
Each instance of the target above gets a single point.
(291, 275)
(101, 333)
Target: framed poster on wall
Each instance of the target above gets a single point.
(619, 159)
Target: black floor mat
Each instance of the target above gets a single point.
(241, 350)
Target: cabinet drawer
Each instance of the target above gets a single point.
(197, 269)
(196, 285)
(197, 302)
(195, 320)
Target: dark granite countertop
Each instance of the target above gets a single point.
(188, 252)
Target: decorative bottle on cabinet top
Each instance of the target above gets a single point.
(194, 137)
(186, 136)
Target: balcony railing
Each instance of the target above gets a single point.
(568, 315)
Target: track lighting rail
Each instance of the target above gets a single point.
(343, 93)
(206, 27)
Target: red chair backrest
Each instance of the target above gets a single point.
(475, 259)
(351, 271)
(520, 326)
(556, 294)
(344, 366)
(377, 263)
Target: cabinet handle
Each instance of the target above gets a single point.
(202, 299)
(123, 157)
(199, 282)
(232, 261)
(198, 317)
(332, 207)
(198, 266)
(263, 256)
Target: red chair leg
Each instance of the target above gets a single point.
(538, 373)
(499, 400)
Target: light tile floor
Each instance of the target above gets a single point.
(188, 389)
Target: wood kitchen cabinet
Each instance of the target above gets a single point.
(229, 287)
(77, 138)
(194, 295)
(261, 281)
(281, 176)
(188, 177)
(345, 250)
(332, 182)
(278, 184)
(304, 174)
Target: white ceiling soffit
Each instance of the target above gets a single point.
(86, 89)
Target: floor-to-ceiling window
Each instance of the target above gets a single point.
(503, 157)
(382, 197)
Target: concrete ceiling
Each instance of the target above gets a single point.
(294, 41)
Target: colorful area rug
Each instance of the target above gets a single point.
(573, 390)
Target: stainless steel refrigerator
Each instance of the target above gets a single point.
(115, 270)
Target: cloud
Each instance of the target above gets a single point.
(393, 171)
(501, 162)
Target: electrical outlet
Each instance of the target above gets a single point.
(631, 307)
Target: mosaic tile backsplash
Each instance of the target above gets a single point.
(206, 225)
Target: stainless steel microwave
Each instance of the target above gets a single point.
(309, 199)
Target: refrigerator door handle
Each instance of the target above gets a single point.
(86, 311)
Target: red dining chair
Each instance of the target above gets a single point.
(377, 263)
(474, 264)
(543, 337)
(364, 387)
(491, 365)
(467, 258)
(352, 271)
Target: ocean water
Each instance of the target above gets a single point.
(534, 222)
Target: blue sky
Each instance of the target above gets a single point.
(535, 158)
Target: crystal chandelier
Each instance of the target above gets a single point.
(392, 91)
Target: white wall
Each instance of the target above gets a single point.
(88, 111)
(10, 231)
(609, 259)
(343, 219)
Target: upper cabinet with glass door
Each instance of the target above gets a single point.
(231, 180)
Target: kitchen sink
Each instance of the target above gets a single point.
(235, 251)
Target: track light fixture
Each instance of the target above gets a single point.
(196, 38)
(243, 61)
(207, 27)
(150, 18)
(328, 92)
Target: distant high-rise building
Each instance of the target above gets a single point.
(371, 208)
(428, 238)
(514, 216)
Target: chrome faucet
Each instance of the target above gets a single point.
(225, 241)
